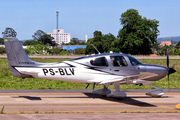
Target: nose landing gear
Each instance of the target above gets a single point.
(155, 93)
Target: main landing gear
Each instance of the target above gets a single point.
(107, 92)
(158, 92)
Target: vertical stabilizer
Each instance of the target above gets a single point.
(16, 55)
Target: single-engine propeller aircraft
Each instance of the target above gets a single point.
(100, 69)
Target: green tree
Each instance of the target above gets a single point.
(178, 45)
(47, 39)
(82, 42)
(115, 46)
(37, 35)
(62, 43)
(108, 42)
(97, 41)
(103, 43)
(156, 48)
(89, 48)
(176, 51)
(37, 49)
(55, 51)
(1, 41)
(31, 42)
(70, 43)
(9, 32)
(75, 41)
(2, 50)
(137, 34)
(163, 50)
(79, 51)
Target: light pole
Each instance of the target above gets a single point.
(57, 13)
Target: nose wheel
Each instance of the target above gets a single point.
(155, 93)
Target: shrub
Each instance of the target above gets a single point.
(54, 51)
(79, 51)
(38, 49)
(64, 52)
(2, 50)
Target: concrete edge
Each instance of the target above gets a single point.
(70, 112)
(76, 56)
(84, 90)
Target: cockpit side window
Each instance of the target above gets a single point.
(99, 62)
(118, 61)
(133, 60)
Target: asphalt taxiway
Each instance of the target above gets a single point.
(83, 101)
(83, 104)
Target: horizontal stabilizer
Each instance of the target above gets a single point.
(33, 74)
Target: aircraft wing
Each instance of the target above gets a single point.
(127, 79)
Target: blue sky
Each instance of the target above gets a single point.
(83, 17)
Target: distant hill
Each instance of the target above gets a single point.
(175, 38)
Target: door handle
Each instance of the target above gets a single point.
(116, 70)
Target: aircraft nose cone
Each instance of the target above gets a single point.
(171, 70)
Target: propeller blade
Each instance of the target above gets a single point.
(168, 80)
(170, 71)
(168, 51)
(87, 86)
(94, 86)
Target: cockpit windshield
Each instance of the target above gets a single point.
(133, 60)
(118, 61)
(99, 62)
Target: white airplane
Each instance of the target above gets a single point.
(100, 69)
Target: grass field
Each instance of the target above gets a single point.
(7, 81)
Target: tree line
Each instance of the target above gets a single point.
(137, 36)
(42, 43)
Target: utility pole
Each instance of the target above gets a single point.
(57, 13)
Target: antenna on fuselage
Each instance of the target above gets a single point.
(95, 48)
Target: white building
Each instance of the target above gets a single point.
(62, 37)
(86, 37)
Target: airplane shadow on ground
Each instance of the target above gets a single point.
(128, 100)
(29, 97)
